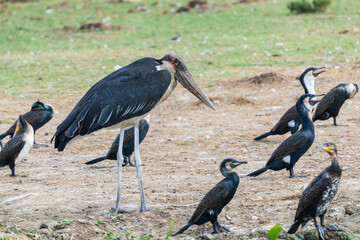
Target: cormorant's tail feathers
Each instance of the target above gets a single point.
(96, 160)
(294, 227)
(258, 172)
(183, 229)
(262, 136)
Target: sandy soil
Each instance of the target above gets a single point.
(181, 154)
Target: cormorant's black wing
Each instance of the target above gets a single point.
(212, 199)
(291, 114)
(326, 102)
(11, 150)
(289, 146)
(128, 92)
(313, 192)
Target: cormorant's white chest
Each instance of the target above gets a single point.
(327, 196)
(28, 137)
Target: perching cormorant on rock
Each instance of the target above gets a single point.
(37, 117)
(217, 198)
(318, 195)
(291, 120)
(18, 146)
(128, 146)
(289, 151)
(330, 104)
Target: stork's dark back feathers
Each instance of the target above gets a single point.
(130, 91)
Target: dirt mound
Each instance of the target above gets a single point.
(94, 26)
(198, 4)
(349, 31)
(264, 78)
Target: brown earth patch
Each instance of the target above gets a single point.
(201, 5)
(94, 26)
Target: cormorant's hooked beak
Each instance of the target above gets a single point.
(234, 164)
(324, 148)
(313, 101)
(188, 82)
(315, 74)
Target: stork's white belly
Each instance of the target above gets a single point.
(29, 141)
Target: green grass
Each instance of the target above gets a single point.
(39, 59)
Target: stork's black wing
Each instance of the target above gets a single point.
(212, 199)
(126, 93)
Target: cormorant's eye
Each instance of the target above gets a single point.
(176, 62)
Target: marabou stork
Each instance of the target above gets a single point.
(122, 99)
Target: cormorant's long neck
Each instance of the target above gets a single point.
(225, 172)
(308, 85)
(306, 119)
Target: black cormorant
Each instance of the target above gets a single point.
(37, 117)
(318, 195)
(122, 99)
(18, 146)
(330, 104)
(128, 146)
(291, 119)
(289, 151)
(217, 198)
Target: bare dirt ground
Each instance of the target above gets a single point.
(181, 153)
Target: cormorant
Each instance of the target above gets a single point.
(37, 117)
(217, 198)
(122, 99)
(291, 120)
(330, 104)
(128, 147)
(18, 146)
(318, 195)
(289, 151)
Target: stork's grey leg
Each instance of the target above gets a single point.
(120, 160)
(138, 166)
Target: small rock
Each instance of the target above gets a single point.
(350, 209)
(43, 226)
(206, 237)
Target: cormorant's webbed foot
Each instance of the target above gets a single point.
(322, 232)
(16, 175)
(218, 228)
(133, 164)
(332, 228)
(292, 175)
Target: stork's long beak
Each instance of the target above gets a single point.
(188, 82)
(315, 74)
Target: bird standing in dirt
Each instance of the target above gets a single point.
(291, 119)
(330, 104)
(122, 99)
(318, 195)
(37, 117)
(128, 146)
(290, 151)
(18, 146)
(216, 199)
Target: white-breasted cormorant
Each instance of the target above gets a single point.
(122, 99)
(318, 195)
(289, 151)
(18, 146)
(37, 117)
(330, 104)
(128, 146)
(291, 119)
(216, 199)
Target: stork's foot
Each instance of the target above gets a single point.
(119, 210)
(17, 175)
(322, 232)
(39, 145)
(332, 228)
